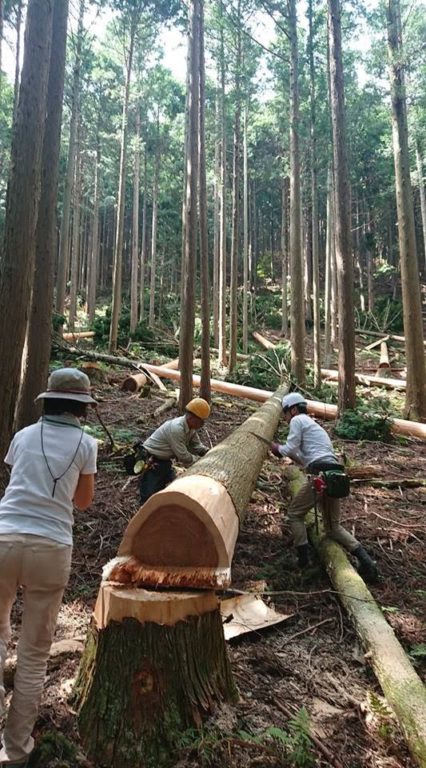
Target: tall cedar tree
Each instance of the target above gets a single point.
(345, 277)
(415, 397)
(22, 207)
(187, 314)
(39, 332)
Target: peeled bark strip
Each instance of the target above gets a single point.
(155, 664)
(401, 685)
(185, 535)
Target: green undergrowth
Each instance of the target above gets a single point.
(54, 750)
(292, 745)
(371, 420)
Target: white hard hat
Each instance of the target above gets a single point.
(294, 398)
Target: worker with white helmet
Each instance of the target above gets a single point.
(308, 444)
(175, 439)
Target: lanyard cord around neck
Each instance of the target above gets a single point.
(56, 479)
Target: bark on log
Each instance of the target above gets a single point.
(384, 365)
(316, 408)
(155, 665)
(185, 535)
(401, 685)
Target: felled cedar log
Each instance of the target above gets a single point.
(263, 340)
(316, 408)
(384, 365)
(185, 535)
(134, 383)
(400, 683)
(155, 665)
(392, 336)
(74, 336)
(367, 381)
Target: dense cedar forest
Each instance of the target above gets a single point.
(237, 186)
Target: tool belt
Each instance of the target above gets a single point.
(330, 478)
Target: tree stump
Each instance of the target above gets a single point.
(155, 665)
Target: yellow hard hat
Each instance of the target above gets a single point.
(199, 407)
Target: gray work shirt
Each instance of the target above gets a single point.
(175, 440)
(307, 442)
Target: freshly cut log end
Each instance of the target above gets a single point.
(190, 524)
(128, 570)
(146, 679)
(134, 383)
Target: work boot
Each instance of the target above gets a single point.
(303, 556)
(367, 567)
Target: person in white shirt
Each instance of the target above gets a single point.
(175, 439)
(53, 466)
(308, 444)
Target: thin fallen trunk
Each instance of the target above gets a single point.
(401, 685)
(185, 535)
(391, 336)
(384, 364)
(367, 381)
(78, 335)
(263, 341)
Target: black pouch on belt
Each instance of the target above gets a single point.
(337, 483)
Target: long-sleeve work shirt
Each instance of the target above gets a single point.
(175, 440)
(307, 442)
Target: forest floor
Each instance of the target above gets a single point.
(313, 662)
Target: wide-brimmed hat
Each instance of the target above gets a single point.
(68, 384)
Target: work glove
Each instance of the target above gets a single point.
(275, 449)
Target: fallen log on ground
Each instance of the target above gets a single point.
(384, 365)
(155, 663)
(316, 408)
(134, 383)
(367, 381)
(185, 535)
(400, 683)
(392, 336)
(263, 340)
(74, 336)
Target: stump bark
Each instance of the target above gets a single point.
(155, 665)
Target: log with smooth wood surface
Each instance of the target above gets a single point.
(185, 535)
(74, 336)
(316, 408)
(400, 683)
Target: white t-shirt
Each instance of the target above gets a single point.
(29, 505)
(307, 441)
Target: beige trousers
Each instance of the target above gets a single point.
(41, 566)
(330, 510)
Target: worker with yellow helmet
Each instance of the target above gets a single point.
(175, 439)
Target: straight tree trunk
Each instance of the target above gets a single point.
(135, 230)
(415, 400)
(204, 245)
(17, 56)
(346, 396)
(216, 222)
(419, 164)
(76, 244)
(94, 252)
(144, 240)
(233, 320)
(296, 265)
(119, 238)
(17, 265)
(314, 205)
(153, 265)
(284, 256)
(187, 314)
(328, 272)
(64, 250)
(222, 245)
(35, 366)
